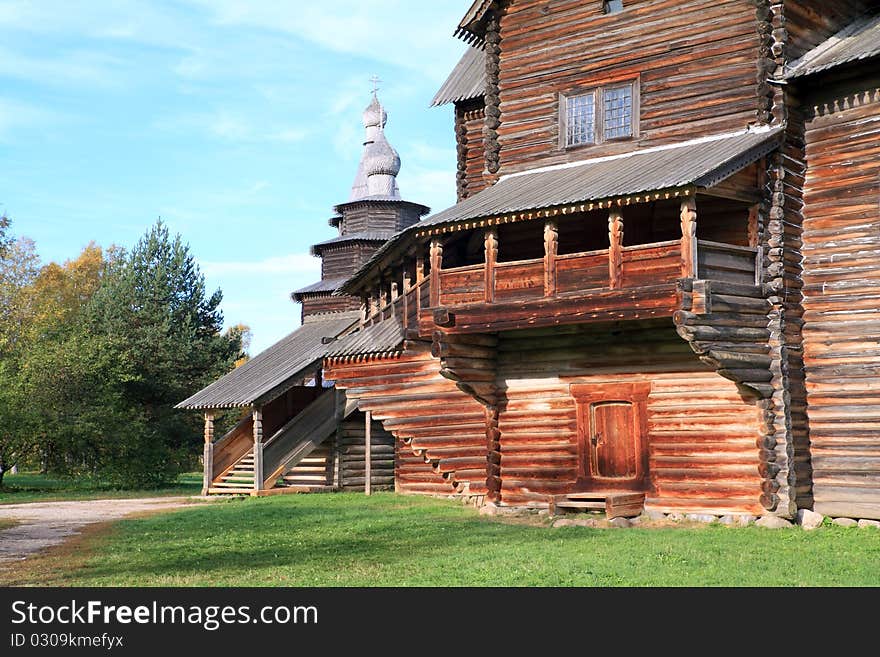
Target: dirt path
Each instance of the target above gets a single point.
(44, 524)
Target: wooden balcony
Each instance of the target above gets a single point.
(633, 282)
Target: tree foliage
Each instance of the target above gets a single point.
(106, 344)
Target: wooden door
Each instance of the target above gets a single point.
(612, 448)
(612, 436)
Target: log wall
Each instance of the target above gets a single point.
(351, 452)
(470, 117)
(701, 432)
(696, 64)
(842, 296)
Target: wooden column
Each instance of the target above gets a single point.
(209, 453)
(490, 248)
(615, 248)
(551, 249)
(258, 448)
(383, 297)
(756, 228)
(363, 319)
(436, 263)
(420, 278)
(339, 416)
(689, 267)
(374, 308)
(368, 456)
(407, 288)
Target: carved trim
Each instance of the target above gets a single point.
(493, 99)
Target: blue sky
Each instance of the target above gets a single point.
(238, 122)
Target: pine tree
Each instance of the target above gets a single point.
(165, 330)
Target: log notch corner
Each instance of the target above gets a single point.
(470, 360)
(728, 326)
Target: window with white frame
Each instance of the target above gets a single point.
(597, 115)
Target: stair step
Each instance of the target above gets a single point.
(573, 504)
(218, 490)
(233, 484)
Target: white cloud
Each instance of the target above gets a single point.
(233, 126)
(76, 67)
(388, 31)
(289, 264)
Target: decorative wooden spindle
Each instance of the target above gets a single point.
(615, 249)
(689, 237)
(436, 258)
(490, 248)
(551, 249)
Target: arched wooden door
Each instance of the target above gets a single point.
(612, 436)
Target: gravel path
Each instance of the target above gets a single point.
(44, 524)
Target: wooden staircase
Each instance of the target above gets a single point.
(237, 480)
(615, 504)
(312, 474)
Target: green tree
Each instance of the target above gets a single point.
(19, 266)
(154, 314)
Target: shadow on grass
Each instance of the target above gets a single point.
(387, 540)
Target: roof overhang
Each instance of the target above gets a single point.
(859, 41)
(472, 27)
(640, 176)
(275, 370)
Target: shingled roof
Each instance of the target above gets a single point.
(382, 338)
(858, 41)
(270, 371)
(467, 80)
(701, 162)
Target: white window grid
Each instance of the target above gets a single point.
(598, 115)
(617, 117)
(580, 114)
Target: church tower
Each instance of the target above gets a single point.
(373, 213)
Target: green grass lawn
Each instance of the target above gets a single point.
(32, 487)
(389, 540)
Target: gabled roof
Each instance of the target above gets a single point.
(700, 162)
(467, 80)
(859, 40)
(270, 372)
(382, 338)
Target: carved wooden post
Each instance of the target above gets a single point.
(420, 278)
(551, 249)
(209, 453)
(407, 288)
(689, 237)
(374, 308)
(383, 296)
(754, 233)
(258, 448)
(755, 230)
(490, 248)
(436, 263)
(368, 456)
(615, 249)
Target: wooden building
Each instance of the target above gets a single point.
(297, 433)
(659, 288)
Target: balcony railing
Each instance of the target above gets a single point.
(643, 265)
(644, 284)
